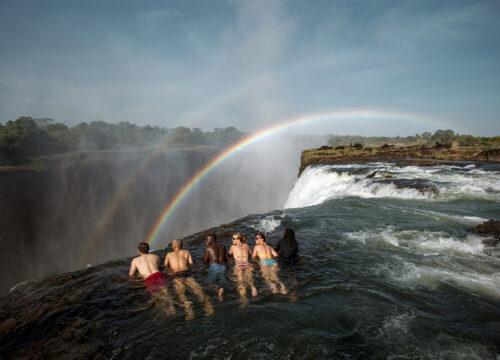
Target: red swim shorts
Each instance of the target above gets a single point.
(155, 281)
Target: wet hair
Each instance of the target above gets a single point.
(240, 236)
(289, 234)
(143, 247)
(177, 243)
(213, 237)
(261, 235)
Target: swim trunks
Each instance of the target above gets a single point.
(243, 264)
(155, 281)
(268, 262)
(216, 275)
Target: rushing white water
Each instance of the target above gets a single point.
(387, 268)
(267, 224)
(318, 184)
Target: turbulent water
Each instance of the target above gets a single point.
(387, 269)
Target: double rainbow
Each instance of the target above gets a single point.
(336, 115)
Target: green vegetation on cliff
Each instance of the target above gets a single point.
(404, 155)
(26, 137)
(426, 138)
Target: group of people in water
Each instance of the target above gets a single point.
(178, 265)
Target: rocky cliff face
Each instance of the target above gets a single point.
(64, 212)
(415, 155)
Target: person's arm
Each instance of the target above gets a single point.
(190, 259)
(250, 253)
(254, 253)
(206, 257)
(167, 259)
(274, 252)
(133, 268)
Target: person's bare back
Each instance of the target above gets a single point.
(215, 253)
(146, 264)
(179, 259)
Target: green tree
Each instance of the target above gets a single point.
(23, 137)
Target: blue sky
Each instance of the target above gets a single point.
(252, 63)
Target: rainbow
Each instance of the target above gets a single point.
(116, 199)
(336, 115)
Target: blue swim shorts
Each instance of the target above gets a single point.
(216, 275)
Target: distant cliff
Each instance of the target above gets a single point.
(416, 154)
(50, 209)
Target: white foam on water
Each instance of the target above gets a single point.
(440, 216)
(398, 323)
(411, 275)
(471, 244)
(437, 242)
(318, 184)
(268, 224)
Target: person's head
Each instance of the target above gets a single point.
(143, 248)
(260, 238)
(289, 234)
(237, 238)
(177, 244)
(210, 239)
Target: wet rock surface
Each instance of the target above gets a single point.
(490, 228)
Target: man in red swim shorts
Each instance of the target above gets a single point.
(148, 266)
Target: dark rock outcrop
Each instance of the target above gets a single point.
(489, 228)
(489, 155)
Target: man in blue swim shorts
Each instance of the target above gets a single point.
(216, 257)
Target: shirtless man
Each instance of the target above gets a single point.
(242, 267)
(178, 262)
(148, 266)
(216, 257)
(268, 265)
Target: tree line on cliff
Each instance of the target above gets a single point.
(27, 137)
(426, 138)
